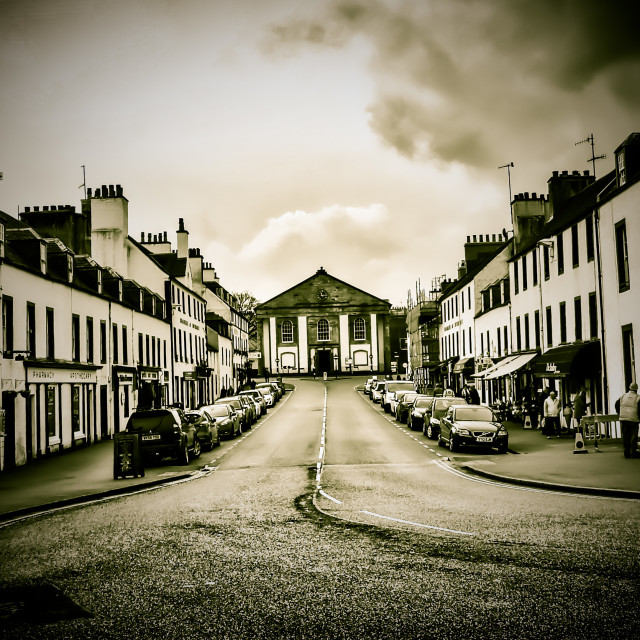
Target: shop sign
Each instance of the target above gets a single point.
(255, 355)
(125, 378)
(552, 367)
(60, 376)
(148, 375)
(189, 375)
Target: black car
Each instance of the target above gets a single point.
(165, 433)
(227, 419)
(239, 407)
(405, 404)
(419, 412)
(431, 423)
(472, 424)
(206, 428)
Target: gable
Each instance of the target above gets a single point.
(307, 297)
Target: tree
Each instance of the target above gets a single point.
(247, 304)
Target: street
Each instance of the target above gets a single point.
(394, 544)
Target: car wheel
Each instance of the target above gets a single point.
(502, 447)
(452, 444)
(387, 408)
(430, 432)
(183, 455)
(197, 448)
(410, 423)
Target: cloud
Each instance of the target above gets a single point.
(464, 81)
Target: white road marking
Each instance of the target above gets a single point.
(418, 524)
(326, 495)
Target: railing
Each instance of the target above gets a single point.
(601, 426)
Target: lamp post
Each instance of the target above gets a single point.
(335, 365)
(371, 361)
(277, 365)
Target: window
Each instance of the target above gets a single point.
(103, 341)
(505, 290)
(593, 315)
(486, 300)
(51, 411)
(577, 314)
(516, 278)
(549, 328)
(31, 329)
(628, 355)
(323, 330)
(125, 346)
(69, 267)
(286, 331)
(115, 350)
(495, 295)
(7, 323)
(505, 331)
(141, 348)
(469, 297)
(622, 172)
(518, 335)
(499, 343)
(622, 256)
(43, 258)
(75, 338)
(575, 251)
(546, 260)
(527, 343)
(536, 327)
(560, 250)
(563, 322)
(534, 266)
(524, 273)
(50, 333)
(359, 329)
(89, 339)
(589, 233)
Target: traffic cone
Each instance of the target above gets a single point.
(527, 421)
(578, 446)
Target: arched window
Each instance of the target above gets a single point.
(286, 331)
(323, 330)
(359, 329)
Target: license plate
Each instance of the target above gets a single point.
(484, 439)
(153, 436)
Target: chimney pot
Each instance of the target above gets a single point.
(565, 173)
(534, 196)
(586, 173)
(112, 192)
(468, 239)
(36, 208)
(104, 191)
(526, 195)
(142, 237)
(27, 209)
(89, 192)
(119, 190)
(45, 208)
(576, 173)
(475, 238)
(165, 236)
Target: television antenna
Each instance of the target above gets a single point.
(508, 168)
(593, 157)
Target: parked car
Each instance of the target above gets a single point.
(417, 415)
(165, 433)
(227, 419)
(431, 424)
(388, 400)
(472, 425)
(272, 387)
(367, 385)
(258, 398)
(206, 428)
(239, 408)
(405, 404)
(377, 389)
(280, 386)
(250, 406)
(269, 397)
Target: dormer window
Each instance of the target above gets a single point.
(100, 281)
(141, 300)
(43, 257)
(622, 172)
(120, 290)
(69, 267)
(153, 305)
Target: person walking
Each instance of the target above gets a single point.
(543, 394)
(579, 408)
(628, 410)
(551, 412)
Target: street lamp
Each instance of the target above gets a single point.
(335, 365)
(277, 365)
(371, 361)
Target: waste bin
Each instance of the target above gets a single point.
(127, 458)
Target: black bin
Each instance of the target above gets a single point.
(127, 458)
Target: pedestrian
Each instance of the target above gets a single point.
(266, 375)
(543, 394)
(628, 410)
(579, 408)
(474, 396)
(551, 412)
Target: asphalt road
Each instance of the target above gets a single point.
(399, 547)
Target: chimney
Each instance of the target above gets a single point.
(183, 240)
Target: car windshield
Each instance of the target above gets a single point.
(409, 397)
(150, 421)
(423, 403)
(396, 386)
(236, 404)
(193, 417)
(442, 404)
(474, 413)
(219, 412)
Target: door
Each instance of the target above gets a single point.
(8, 404)
(324, 361)
(104, 413)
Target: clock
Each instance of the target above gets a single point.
(322, 295)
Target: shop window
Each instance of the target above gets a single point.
(51, 411)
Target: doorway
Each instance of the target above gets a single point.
(324, 360)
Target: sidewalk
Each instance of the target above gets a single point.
(87, 473)
(553, 464)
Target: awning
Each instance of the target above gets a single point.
(515, 363)
(483, 374)
(444, 364)
(581, 359)
(464, 365)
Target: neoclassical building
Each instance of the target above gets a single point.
(324, 324)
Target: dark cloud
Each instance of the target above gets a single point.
(456, 79)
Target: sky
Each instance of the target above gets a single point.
(362, 136)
